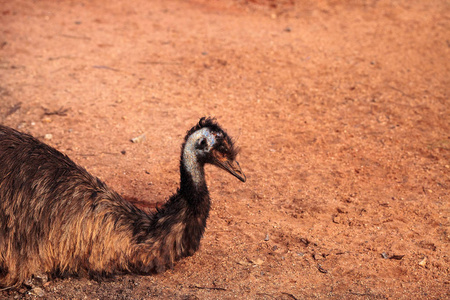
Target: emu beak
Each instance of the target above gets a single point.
(232, 167)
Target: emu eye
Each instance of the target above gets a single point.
(202, 144)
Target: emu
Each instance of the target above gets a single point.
(57, 219)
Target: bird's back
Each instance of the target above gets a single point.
(45, 199)
(35, 174)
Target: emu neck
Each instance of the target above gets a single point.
(192, 171)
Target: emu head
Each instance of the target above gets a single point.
(211, 144)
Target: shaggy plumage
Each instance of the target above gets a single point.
(56, 218)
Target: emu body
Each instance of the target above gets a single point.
(56, 218)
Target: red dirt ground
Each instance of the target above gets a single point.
(341, 110)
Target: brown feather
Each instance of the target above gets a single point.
(56, 218)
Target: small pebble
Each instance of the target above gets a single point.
(37, 292)
(48, 136)
(138, 139)
(321, 270)
(317, 256)
(423, 262)
(266, 238)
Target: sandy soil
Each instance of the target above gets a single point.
(341, 110)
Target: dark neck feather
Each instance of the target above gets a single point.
(179, 225)
(190, 187)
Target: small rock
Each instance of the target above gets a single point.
(423, 262)
(138, 139)
(37, 291)
(48, 136)
(266, 238)
(305, 241)
(257, 261)
(337, 219)
(396, 257)
(46, 120)
(40, 279)
(317, 256)
(321, 270)
(242, 263)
